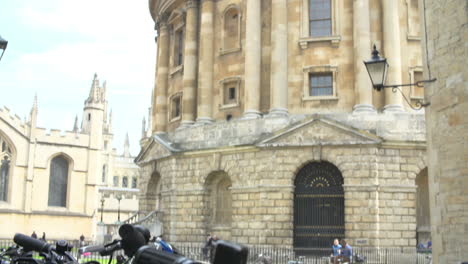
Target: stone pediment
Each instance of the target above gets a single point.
(156, 148)
(319, 131)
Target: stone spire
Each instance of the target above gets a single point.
(126, 153)
(33, 113)
(75, 126)
(143, 128)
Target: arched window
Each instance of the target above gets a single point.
(5, 158)
(231, 29)
(223, 201)
(58, 182)
(125, 182)
(116, 181)
(134, 182)
(104, 172)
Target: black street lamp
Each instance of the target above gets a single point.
(3, 46)
(119, 197)
(102, 208)
(377, 67)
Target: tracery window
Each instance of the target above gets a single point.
(58, 182)
(5, 159)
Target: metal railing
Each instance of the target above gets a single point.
(281, 255)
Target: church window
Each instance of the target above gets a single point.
(58, 182)
(231, 30)
(134, 182)
(104, 171)
(5, 159)
(4, 177)
(125, 182)
(320, 20)
(116, 181)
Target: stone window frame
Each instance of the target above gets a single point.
(223, 50)
(172, 98)
(69, 172)
(411, 73)
(411, 34)
(224, 85)
(317, 69)
(176, 24)
(335, 36)
(7, 153)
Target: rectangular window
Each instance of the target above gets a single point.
(134, 182)
(418, 91)
(116, 181)
(179, 48)
(125, 182)
(321, 84)
(320, 19)
(175, 107)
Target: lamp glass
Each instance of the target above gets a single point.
(3, 43)
(377, 70)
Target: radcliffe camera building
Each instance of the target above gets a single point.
(266, 130)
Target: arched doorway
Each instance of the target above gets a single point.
(153, 193)
(423, 229)
(318, 207)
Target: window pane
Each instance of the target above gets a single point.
(134, 182)
(321, 84)
(125, 182)
(320, 28)
(116, 181)
(320, 9)
(4, 170)
(320, 18)
(58, 182)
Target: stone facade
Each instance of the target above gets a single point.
(236, 123)
(447, 126)
(28, 156)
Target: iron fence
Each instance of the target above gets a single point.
(280, 255)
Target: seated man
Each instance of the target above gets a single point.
(346, 253)
(336, 250)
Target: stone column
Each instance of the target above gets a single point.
(362, 50)
(279, 58)
(392, 51)
(253, 57)
(190, 65)
(205, 70)
(160, 91)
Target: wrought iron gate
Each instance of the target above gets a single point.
(318, 207)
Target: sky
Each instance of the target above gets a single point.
(56, 46)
